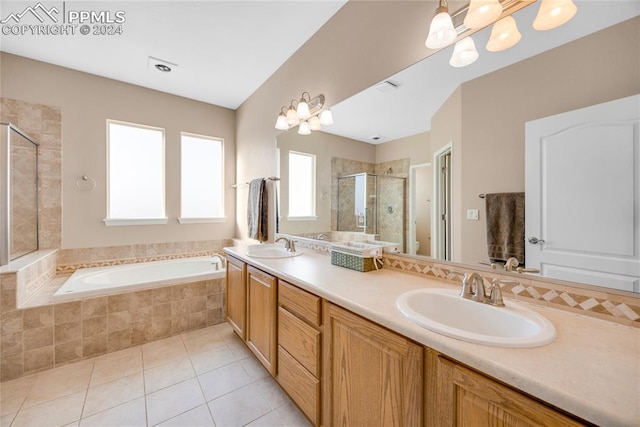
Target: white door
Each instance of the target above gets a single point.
(582, 193)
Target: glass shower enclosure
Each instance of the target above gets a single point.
(373, 204)
(18, 193)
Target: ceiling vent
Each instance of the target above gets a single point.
(161, 65)
(386, 86)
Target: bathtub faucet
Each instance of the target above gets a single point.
(222, 261)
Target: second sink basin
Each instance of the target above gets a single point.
(270, 251)
(445, 312)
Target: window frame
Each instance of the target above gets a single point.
(116, 221)
(204, 220)
(313, 215)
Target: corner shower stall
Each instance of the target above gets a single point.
(18, 193)
(373, 204)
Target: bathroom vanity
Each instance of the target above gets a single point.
(335, 341)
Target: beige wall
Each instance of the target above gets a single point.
(365, 42)
(417, 148)
(494, 108)
(87, 101)
(323, 146)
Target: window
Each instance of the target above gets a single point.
(135, 174)
(201, 195)
(302, 186)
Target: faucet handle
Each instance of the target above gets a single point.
(292, 245)
(495, 294)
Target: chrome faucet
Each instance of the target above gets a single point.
(473, 289)
(511, 264)
(289, 244)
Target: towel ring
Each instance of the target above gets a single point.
(85, 183)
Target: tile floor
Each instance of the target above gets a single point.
(201, 378)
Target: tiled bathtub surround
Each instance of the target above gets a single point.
(25, 277)
(39, 338)
(594, 303)
(69, 260)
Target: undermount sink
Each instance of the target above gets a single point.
(270, 251)
(444, 311)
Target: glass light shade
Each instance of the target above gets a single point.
(464, 53)
(553, 13)
(326, 118)
(303, 129)
(314, 123)
(482, 13)
(441, 31)
(504, 35)
(281, 123)
(303, 110)
(292, 117)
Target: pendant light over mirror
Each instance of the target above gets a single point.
(441, 31)
(504, 35)
(307, 114)
(553, 13)
(482, 13)
(464, 53)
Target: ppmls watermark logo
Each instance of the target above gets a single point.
(58, 21)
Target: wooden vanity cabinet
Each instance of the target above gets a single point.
(236, 307)
(300, 348)
(458, 396)
(261, 327)
(372, 376)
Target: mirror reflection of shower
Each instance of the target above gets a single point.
(373, 204)
(18, 194)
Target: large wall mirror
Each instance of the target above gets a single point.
(473, 121)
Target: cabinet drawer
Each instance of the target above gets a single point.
(302, 303)
(300, 340)
(303, 387)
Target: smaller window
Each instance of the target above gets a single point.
(302, 185)
(201, 194)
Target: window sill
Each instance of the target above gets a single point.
(201, 220)
(109, 222)
(302, 218)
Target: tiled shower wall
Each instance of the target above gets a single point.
(43, 124)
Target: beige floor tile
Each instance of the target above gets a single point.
(159, 355)
(73, 424)
(6, 419)
(172, 401)
(112, 394)
(197, 417)
(268, 420)
(168, 374)
(239, 407)
(291, 416)
(225, 331)
(223, 380)
(239, 349)
(212, 359)
(254, 368)
(13, 393)
(203, 342)
(211, 330)
(130, 414)
(159, 344)
(56, 412)
(107, 370)
(272, 392)
(59, 382)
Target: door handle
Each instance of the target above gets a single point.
(535, 240)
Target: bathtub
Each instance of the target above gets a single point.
(98, 281)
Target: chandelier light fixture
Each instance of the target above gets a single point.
(307, 114)
(479, 14)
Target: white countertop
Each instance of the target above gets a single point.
(591, 370)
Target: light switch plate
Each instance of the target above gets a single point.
(472, 214)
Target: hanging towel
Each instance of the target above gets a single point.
(258, 210)
(505, 226)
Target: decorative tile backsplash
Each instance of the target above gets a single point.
(603, 305)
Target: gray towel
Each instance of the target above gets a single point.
(258, 210)
(505, 226)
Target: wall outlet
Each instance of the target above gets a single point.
(472, 214)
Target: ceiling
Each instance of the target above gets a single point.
(224, 50)
(423, 87)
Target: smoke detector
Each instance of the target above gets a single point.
(161, 65)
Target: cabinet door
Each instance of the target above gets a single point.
(236, 311)
(467, 398)
(372, 376)
(261, 325)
